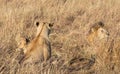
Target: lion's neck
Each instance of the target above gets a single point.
(45, 33)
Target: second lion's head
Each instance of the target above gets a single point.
(43, 27)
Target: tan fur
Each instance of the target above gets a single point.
(39, 48)
(21, 42)
(97, 32)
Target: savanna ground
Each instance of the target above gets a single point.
(71, 54)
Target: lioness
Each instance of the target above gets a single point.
(39, 48)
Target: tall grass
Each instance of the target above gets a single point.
(70, 51)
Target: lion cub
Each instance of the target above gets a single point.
(39, 48)
(21, 43)
(97, 32)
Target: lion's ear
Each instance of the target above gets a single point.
(51, 24)
(37, 24)
(101, 24)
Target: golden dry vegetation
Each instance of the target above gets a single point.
(71, 53)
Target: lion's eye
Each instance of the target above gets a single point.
(37, 23)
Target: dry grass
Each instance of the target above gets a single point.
(71, 54)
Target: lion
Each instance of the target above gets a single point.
(97, 31)
(21, 43)
(39, 48)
